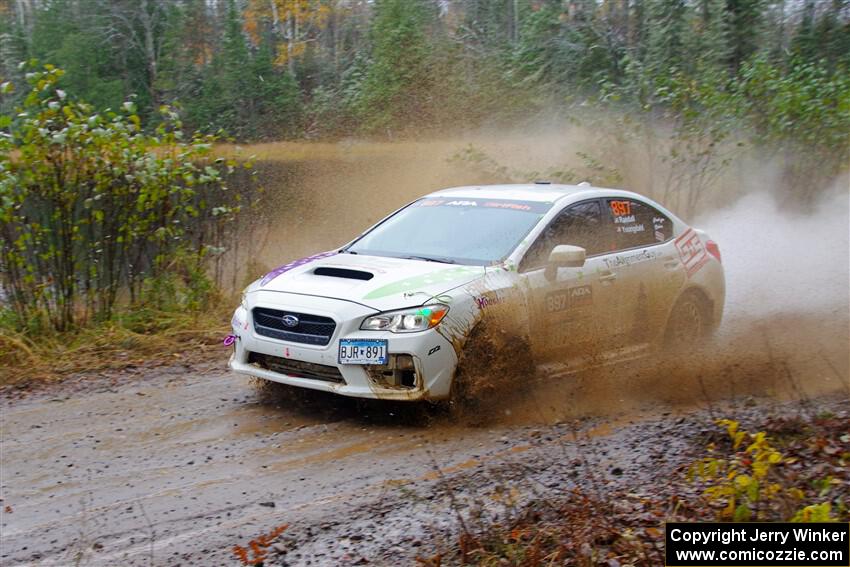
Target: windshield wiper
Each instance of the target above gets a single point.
(428, 259)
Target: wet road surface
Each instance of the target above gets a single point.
(175, 466)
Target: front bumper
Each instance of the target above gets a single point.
(433, 356)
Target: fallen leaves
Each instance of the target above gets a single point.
(257, 550)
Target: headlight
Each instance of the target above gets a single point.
(407, 320)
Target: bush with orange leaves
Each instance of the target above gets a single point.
(257, 550)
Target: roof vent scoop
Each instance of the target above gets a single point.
(584, 184)
(343, 273)
(542, 182)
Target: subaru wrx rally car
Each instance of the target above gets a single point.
(568, 275)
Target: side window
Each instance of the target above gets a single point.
(579, 225)
(637, 224)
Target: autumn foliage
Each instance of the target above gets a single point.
(257, 550)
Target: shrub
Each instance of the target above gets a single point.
(92, 207)
(753, 484)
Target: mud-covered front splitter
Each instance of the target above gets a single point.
(433, 356)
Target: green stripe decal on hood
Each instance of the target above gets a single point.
(447, 276)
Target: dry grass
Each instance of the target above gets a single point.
(133, 339)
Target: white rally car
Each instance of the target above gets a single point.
(566, 275)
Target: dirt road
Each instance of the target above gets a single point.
(175, 466)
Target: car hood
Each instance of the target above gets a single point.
(375, 281)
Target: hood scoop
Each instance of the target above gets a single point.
(343, 273)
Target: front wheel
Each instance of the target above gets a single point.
(493, 364)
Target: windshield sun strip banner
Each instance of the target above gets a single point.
(505, 204)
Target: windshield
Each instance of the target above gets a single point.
(454, 230)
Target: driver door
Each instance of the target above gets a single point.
(567, 304)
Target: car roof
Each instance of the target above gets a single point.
(538, 192)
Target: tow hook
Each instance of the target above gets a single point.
(229, 340)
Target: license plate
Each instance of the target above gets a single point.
(363, 351)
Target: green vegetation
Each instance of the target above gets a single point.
(691, 80)
(111, 197)
(281, 68)
(752, 484)
(95, 211)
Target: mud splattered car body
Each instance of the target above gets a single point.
(578, 275)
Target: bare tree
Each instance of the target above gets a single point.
(140, 24)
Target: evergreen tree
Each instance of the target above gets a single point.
(68, 34)
(825, 35)
(746, 31)
(709, 47)
(398, 82)
(379, 66)
(667, 31)
(244, 92)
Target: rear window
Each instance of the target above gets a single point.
(638, 224)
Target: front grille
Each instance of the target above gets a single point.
(297, 368)
(310, 330)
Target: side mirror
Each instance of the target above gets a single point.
(565, 256)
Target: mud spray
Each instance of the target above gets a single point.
(786, 326)
(785, 333)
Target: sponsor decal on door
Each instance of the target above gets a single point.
(572, 297)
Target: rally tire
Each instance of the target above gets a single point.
(689, 323)
(492, 363)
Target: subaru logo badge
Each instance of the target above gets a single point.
(290, 320)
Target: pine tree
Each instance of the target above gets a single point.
(746, 29)
(667, 31)
(397, 82)
(708, 46)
